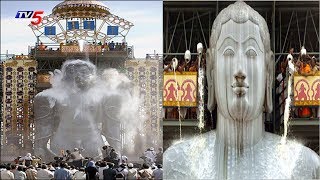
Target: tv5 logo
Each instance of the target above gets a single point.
(31, 14)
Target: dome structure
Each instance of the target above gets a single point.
(79, 9)
(73, 20)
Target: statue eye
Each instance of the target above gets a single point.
(251, 53)
(228, 52)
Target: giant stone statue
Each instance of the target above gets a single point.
(240, 72)
(76, 113)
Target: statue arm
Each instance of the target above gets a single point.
(44, 122)
(111, 108)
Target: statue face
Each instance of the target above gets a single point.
(240, 71)
(79, 74)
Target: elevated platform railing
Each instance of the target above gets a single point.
(5, 57)
(62, 50)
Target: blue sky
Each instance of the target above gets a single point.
(145, 36)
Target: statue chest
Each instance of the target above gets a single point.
(203, 158)
(78, 111)
(267, 162)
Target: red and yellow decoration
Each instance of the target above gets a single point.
(306, 90)
(76, 48)
(180, 89)
(19, 89)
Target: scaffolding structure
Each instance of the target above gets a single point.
(73, 21)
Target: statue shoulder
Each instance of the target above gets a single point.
(305, 162)
(51, 96)
(179, 158)
(309, 163)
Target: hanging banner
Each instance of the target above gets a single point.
(306, 90)
(88, 25)
(113, 30)
(73, 25)
(50, 30)
(180, 89)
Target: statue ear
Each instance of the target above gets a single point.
(269, 81)
(210, 79)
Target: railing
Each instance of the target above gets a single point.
(62, 49)
(154, 56)
(5, 57)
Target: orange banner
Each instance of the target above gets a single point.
(180, 89)
(43, 78)
(306, 90)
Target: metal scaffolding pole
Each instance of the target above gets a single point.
(274, 48)
(280, 35)
(167, 30)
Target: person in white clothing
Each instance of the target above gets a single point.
(150, 153)
(44, 173)
(27, 159)
(73, 169)
(80, 175)
(102, 167)
(132, 173)
(122, 172)
(77, 154)
(6, 173)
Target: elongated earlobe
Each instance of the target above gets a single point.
(210, 80)
(269, 82)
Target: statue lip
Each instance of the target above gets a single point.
(240, 85)
(240, 89)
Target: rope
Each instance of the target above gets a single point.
(191, 30)
(185, 33)
(298, 29)
(204, 39)
(175, 27)
(287, 33)
(305, 29)
(314, 25)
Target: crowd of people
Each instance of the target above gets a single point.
(108, 46)
(186, 64)
(191, 66)
(68, 167)
(301, 64)
(91, 171)
(115, 46)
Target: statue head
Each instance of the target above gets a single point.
(78, 73)
(240, 64)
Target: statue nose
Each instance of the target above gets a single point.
(240, 76)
